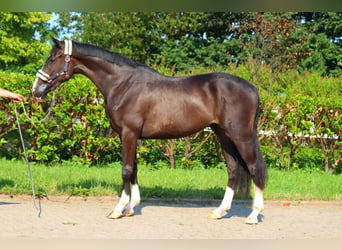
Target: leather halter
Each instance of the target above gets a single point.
(67, 52)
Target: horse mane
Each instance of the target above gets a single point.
(112, 57)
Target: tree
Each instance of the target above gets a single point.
(180, 39)
(184, 40)
(22, 40)
(274, 39)
(324, 30)
(136, 35)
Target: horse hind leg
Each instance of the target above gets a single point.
(238, 179)
(259, 178)
(251, 155)
(231, 163)
(258, 206)
(225, 205)
(244, 160)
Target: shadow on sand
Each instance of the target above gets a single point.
(240, 208)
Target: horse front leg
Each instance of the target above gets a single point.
(129, 178)
(135, 193)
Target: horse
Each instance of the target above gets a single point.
(141, 103)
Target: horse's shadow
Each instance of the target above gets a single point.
(239, 208)
(8, 203)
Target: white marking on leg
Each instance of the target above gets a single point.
(135, 199)
(120, 207)
(135, 194)
(258, 206)
(225, 204)
(258, 198)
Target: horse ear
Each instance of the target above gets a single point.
(56, 42)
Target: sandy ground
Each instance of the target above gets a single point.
(80, 218)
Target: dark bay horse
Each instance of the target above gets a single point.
(141, 103)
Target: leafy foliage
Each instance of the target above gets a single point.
(22, 40)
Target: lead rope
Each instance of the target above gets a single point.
(37, 206)
(47, 113)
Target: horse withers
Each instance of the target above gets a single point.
(141, 104)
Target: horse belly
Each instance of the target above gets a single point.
(169, 125)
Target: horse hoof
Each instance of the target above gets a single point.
(114, 215)
(251, 221)
(129, 214)
(214, 216)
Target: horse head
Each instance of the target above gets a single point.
(57, 68)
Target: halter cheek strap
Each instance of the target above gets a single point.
(67, 52)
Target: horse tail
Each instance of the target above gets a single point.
(243, 173)
(243, 180)
(260, 175)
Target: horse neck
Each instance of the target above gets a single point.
(103, 74)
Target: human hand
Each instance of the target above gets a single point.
(12, 95)
(16, 97)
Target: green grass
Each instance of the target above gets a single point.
(75, 179)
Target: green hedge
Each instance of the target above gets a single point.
(300, 124)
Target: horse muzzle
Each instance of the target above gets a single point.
(40, 89)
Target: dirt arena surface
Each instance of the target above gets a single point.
(85, 218)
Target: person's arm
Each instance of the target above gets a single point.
(8, 94)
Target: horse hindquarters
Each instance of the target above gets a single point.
(239, 118)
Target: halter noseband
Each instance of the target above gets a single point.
(67, 52)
